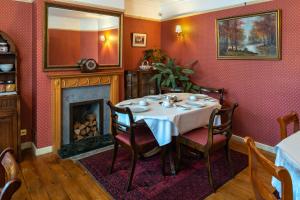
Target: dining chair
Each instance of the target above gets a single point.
(9, 183)
(219, 92)
(136, 137)
(208, 140)
(285, 120)
(257, 163)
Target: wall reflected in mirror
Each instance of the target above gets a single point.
(75, 34)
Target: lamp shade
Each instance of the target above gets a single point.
(178, 29)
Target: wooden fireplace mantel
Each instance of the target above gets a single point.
(73, 80)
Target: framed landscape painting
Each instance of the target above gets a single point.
(256, 36)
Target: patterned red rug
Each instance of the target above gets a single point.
(149, 183)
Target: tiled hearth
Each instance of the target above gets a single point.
(86, 94)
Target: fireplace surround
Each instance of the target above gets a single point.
(71, 81)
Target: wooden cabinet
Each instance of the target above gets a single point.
(138, 84)
(9, 101)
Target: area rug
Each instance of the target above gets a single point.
(190, 183)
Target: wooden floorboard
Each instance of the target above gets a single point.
(49, 177)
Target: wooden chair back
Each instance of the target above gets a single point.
(258, 162)
(284, 121)
(214, 91)
(119, 127)
(9, 170)
(226, 116)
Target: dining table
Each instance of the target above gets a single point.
(168, 120)
(288, 156)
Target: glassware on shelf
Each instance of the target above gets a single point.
(10, 86)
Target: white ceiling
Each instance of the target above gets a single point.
(163, 9)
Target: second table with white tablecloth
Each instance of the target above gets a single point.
(287, 156)
(167, 122)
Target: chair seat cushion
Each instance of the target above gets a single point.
(143, 136)
(200, 136)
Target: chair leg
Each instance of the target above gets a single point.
(228, 157)
(131, 171)
(163, 160)
(208, 165)
(178, 152)
(116, 147)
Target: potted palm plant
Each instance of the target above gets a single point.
(173, 78)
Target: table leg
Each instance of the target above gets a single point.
(167, 150)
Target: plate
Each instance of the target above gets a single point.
(154, 97)
(196, 105)
(139, 109)
(201, 96)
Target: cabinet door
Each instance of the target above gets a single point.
(131, 88)
(9, 131)
(146, 86)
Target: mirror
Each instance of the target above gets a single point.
(74, 33)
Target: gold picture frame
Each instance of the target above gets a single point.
(139, 40)
(249, 37)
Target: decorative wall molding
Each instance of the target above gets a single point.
(116, 5)
(261, 146)
(26, 145)
(41, 151)
(186, 8)
(161, 10)
(37, 151)
(26, 1)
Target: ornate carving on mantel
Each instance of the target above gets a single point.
(62, 81)
(85, 81)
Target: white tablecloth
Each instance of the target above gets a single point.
(288, 156)
(167, 122)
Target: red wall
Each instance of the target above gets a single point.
(64, 47)
(109, 50)
(42, 88)
(89, 44)
(263, 89)
(132, 56)
(16, 21)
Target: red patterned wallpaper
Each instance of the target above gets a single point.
(263, 89)
(16, 21)
(133, 55)
(42, 88)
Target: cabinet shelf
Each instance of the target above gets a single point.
(10, 102)
(11, 72)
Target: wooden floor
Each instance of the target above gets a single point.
(49, 177)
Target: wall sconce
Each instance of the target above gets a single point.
(102, 38)
(178, 31)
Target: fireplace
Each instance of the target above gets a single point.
(86, 120)
(91, 86)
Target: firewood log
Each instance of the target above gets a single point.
(87, 129)
(77, 131)
(93, 128)
(76, 125)
(86, 123)
(94, 123)
(83, 132)
(80, 137)
(82, 126)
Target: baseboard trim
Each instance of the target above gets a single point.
(42, 151)
(261, 146)
(26, 145)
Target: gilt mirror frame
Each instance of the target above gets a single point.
(81, 8)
